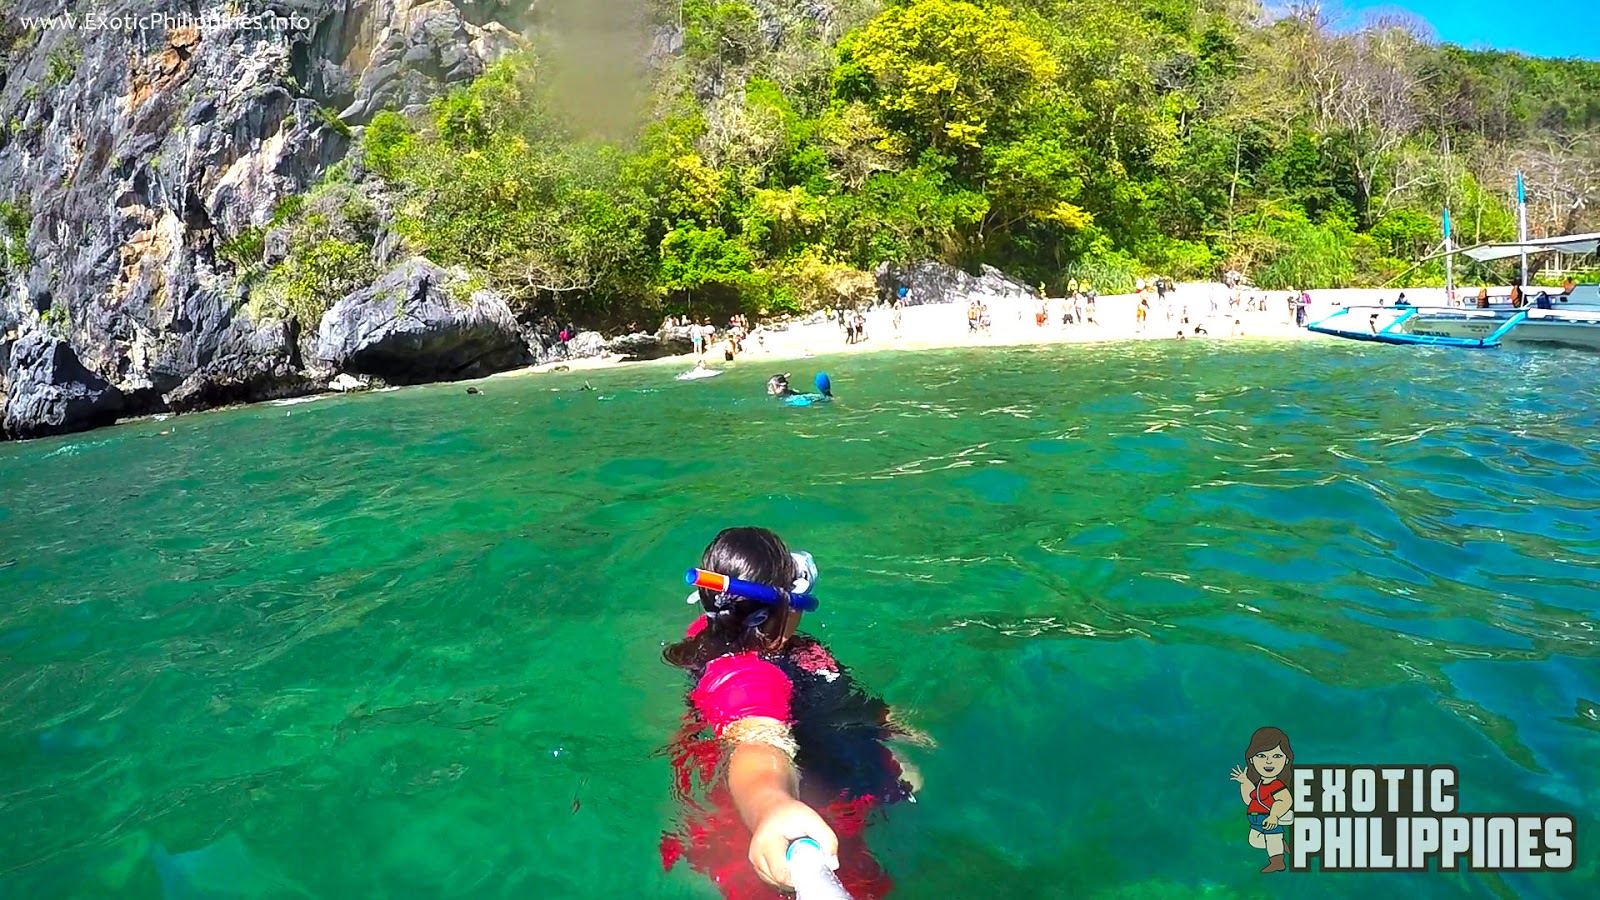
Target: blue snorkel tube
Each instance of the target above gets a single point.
(761, 593)
(824, 385)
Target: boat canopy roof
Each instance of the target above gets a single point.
(1577, 243)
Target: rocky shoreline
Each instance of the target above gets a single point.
(132, 164)
(417, 323)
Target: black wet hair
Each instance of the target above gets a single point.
(735, 624)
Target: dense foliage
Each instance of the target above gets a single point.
(780, 156)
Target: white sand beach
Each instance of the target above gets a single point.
(1012, 323)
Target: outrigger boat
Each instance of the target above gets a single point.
(1573, 319)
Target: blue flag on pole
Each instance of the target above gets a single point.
(1447, 224)
(1522, 194)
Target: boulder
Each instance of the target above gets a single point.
(586, 343)
(933, 282)
(412, 325)
(230, 359)
(346, 383)
(47, 390)
(543, 342)
(668, 342)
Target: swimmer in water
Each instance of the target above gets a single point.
(779, 741)
(778, 386)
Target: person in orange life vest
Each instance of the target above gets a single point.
(803, 747)
(1263, 786)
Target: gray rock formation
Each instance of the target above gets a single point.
(412, 50)
(668, 342)
(44, 389)
(418, 323)
(586, 344)
(934, 282)
(136, 155)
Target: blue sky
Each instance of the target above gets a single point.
(1559, 28)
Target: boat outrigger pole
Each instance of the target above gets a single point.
(1449, 262)
(1522, 228)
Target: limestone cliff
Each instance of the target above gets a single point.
(130, 156)
(145, 148)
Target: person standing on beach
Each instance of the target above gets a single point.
(1088, 310)
(983, 316)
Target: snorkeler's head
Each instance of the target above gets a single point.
(739, 624)
(748, 554)
(778, 385)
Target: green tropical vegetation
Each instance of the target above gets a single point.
(775, 160)
(13, 236)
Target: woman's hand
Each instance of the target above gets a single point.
(784, 823)
(1240, 775)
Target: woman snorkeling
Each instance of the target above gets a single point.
(1263, 785)
(778, 733)
(778, 386)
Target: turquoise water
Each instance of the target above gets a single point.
(407, 645)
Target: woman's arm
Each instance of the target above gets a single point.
(1281, 801)
(747, 702)
(763, 781)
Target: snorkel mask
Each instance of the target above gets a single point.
(798, 597)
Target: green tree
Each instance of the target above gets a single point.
(944, 74)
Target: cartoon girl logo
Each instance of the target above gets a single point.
(1263, 786)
